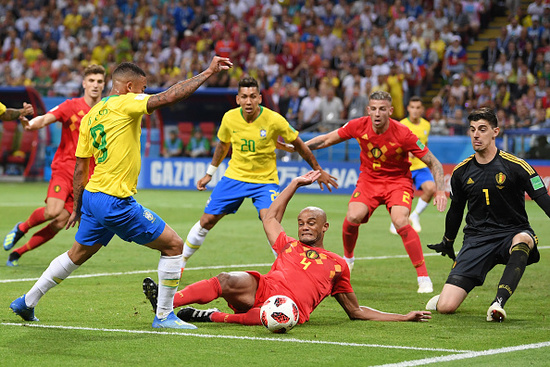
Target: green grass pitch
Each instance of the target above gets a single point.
(100, 317)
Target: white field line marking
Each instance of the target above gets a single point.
(287, 340)
(249, 266)
(468, 355)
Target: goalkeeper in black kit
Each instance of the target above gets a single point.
(493, 183)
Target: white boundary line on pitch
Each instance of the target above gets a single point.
(213, 267)
(468, 355)
(253, 338)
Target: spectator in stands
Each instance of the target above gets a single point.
(289, 104)
(455, 59)
(490, 55)
(309, 114)
(198, 145)
(331, 110)
(173, 146)
(356, 104)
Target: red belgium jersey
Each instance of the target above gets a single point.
(69, 113)
(309, 274)
(384, 156)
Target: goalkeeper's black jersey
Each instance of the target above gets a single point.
(495, 193)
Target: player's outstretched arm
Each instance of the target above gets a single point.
(38, 122)
(325, 140)
(185, 88)
(274, 215)
(305, 152)
(440, 199)
(219, 154)
(349, 303)
(80, 179)
(15, 113)
(453, 219)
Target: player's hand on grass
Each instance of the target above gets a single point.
(445, 247)
(327, 180)
(418, 316)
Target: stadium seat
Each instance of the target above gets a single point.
(185, 131)
(208, 128)
(7, 140)
(29, 140)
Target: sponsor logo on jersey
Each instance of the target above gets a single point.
(420, 145)
(470, 181)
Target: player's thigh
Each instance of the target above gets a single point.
(239, 289)
(451, 298)
(358, 212)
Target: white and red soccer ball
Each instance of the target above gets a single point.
(279, 314)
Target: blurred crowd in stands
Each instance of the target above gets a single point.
(319, 60)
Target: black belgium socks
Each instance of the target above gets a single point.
(512, 272)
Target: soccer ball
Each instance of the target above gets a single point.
(279, 314)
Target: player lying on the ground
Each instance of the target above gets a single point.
(303, 271)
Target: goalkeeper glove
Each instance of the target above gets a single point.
(445, 248)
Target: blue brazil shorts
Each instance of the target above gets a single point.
(420, 176)
(229, 194)
(104, 215)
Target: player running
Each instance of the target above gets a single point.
(59, 199)
(421, 175)
(251, 130)
(385, 178)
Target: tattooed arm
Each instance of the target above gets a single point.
(185, 88)
(15, 113)
(80, 179)
(440, 199)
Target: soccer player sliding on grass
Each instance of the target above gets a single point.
(497, 231)
(303, 271)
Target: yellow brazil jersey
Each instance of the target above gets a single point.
(2, 109)
(110, 133)
(422, 131)
(253, 157)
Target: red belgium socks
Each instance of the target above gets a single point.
(411, 241)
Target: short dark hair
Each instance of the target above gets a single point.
(128, 69)
(248, 82)
(484, 113)
(415, 99)
(380, 95)
(94, 69)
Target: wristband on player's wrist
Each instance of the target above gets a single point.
(211, 170)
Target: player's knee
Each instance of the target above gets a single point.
(523, 237)
(51, 213)
(354, 218)
(446, 306)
